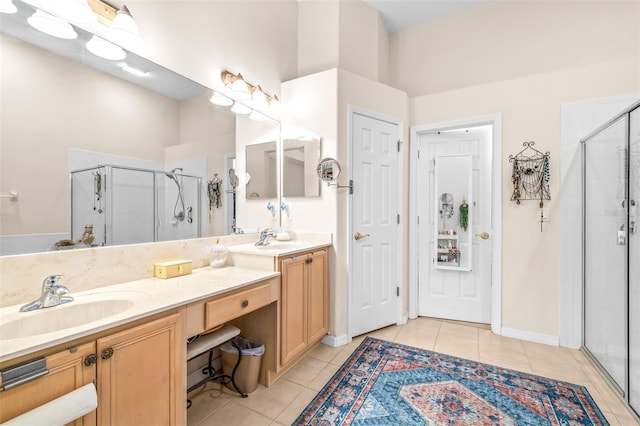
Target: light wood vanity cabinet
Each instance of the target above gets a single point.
(67, 372)
(304, 302)
(139, 373)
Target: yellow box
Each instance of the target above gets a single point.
(175, 268)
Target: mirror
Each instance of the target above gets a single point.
(454, 199)
(299, 160)
(64, 109)
(261, 169)
(328, 170)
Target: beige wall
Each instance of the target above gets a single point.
(521, 59)
(347, 34)
(501, 40)
(199, 39)
(530, 108)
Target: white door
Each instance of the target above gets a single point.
(449, 293)
(375, 257)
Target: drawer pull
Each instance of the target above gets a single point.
(107, 353)
(245, 303)
(90, 359)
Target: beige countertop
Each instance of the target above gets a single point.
(277, 248)
(102, 308)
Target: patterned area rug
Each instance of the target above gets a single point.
(385, 383)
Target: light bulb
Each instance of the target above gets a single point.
(240, 88)
(220, 100)
(49, 24)
(104, 49)
(7, 6)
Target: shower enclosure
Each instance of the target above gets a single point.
(128, 205)
(611, 251)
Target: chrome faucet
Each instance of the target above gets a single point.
(52, 295)
(264, 237)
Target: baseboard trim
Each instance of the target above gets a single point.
(547, 339)
(336, 341)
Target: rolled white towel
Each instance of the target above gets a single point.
(60, 411)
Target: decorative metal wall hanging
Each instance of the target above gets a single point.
(214, 192)
(531, 176)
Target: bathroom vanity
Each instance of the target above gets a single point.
(134, 349)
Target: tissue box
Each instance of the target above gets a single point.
(175, 268)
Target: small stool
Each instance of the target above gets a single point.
(208, 342)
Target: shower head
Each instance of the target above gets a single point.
(172, 175)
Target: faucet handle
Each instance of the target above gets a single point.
(51, 281)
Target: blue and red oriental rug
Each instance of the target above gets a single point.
(385, 383)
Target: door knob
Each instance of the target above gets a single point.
(484, 235)
(358, 236)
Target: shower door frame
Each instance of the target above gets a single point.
(108, 235)
(624, 392)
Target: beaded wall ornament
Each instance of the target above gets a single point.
(531, 175)
(214, 192)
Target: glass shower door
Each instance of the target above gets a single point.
(634, 264)
(605, 245)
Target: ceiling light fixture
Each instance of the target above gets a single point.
(7, 6)
(49, 24)
(105, 49)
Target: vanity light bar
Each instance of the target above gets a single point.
(233, 82)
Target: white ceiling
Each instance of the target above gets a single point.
(400, 14)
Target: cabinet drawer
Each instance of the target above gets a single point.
(230, 307)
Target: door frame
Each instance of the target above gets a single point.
(351, 111)
(494, 120)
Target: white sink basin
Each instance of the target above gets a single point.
(58, 318)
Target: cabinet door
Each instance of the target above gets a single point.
(67, 372)
(318, 300)
(141, 375)
(294, 307)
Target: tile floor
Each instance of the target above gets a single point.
(284, 400)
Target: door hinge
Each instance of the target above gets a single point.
(399, 145)
(398, 291)
(418, 220)
(398, 219)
